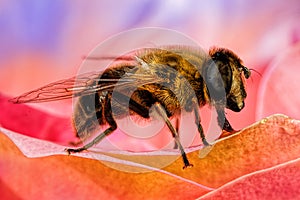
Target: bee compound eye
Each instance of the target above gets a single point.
(217, 54)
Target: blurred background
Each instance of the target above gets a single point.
(43, 41)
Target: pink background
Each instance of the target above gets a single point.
(43, 41)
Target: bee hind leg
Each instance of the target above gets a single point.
(110, 120)
(161, 112)
(93, 142)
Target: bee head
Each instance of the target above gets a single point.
(224, 70)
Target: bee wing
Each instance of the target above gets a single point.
(81, 85)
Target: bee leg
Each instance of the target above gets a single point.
(110, 120)
(162, 113)
(199, 126)
(177, 130)
(225, 125)
(93, 142)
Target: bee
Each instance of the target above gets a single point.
(153, 81)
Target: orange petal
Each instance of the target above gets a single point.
(266, 144)
(272, 141)
(66, 177)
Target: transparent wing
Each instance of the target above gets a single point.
(83, 84)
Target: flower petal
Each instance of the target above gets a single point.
(61, 177)
(29, 121)
(278, 91)
(279, 182)
(268, 143)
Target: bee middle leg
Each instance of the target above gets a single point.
(143, 111)
(158, 108)
(110, 120)
(199, 126)
(177, 130)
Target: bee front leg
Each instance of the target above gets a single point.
(223, 122)
(227, 126)
(158, 108)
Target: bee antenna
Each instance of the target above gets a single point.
(256, 72)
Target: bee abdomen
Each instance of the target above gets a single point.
(88, 115)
